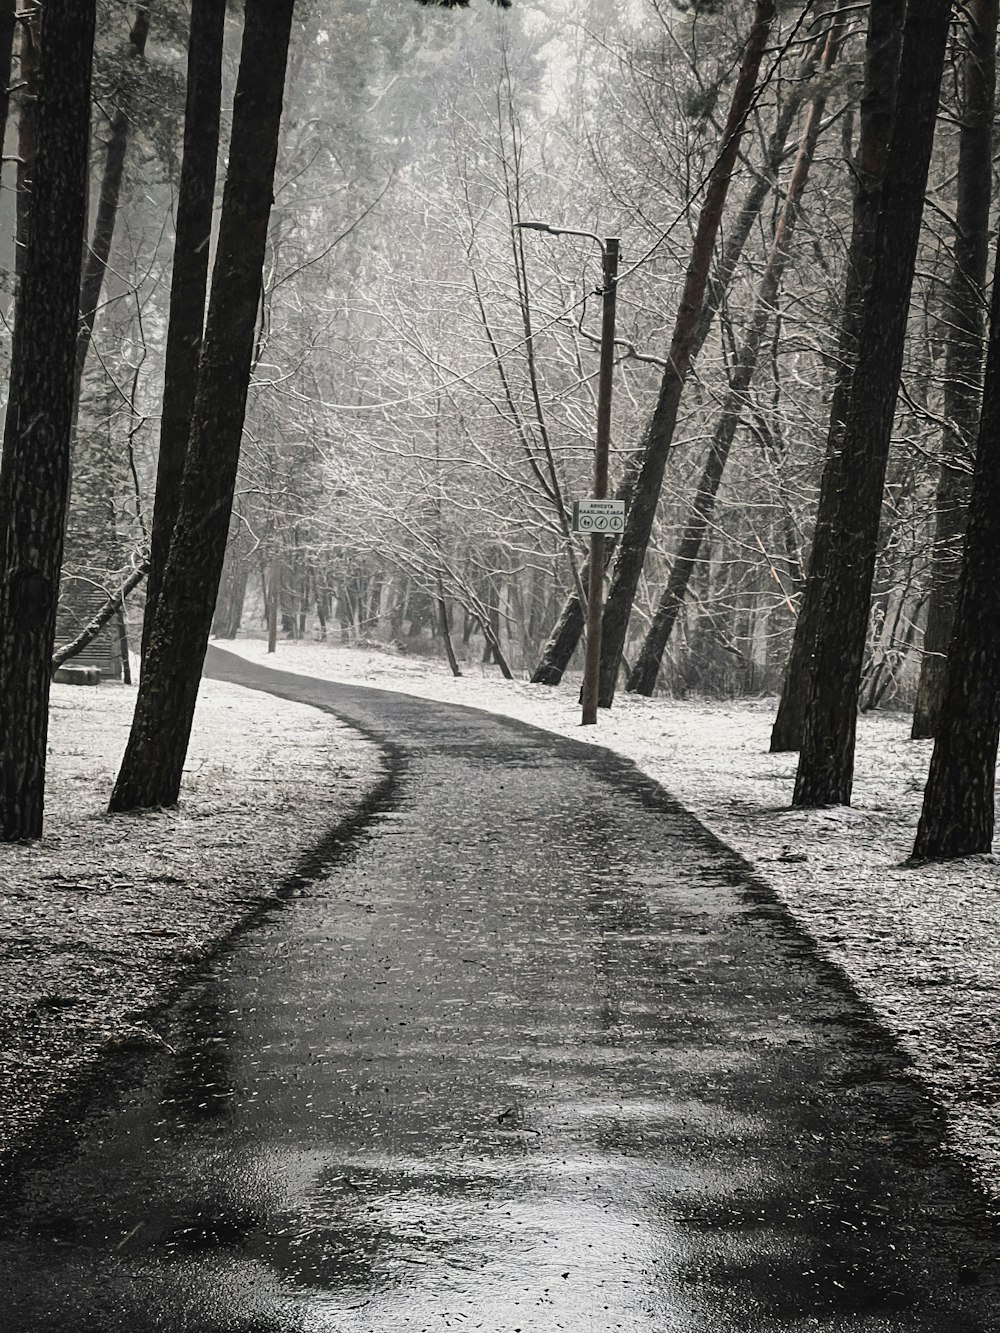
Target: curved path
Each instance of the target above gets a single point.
(535, 1054)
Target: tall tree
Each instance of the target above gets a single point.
(878, 99)
(642, 678)
(963, 318)
(568, 629)
(189, 280)
(826, 762)
(959, 799)
(151, 769)
(35, 469)
(642, 511)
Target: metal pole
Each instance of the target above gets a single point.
(595, 576)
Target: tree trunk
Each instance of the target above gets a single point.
(491, 635)
(228, 613)
(562, 642)
(123, 646)
(28, 62)
(877, 103)
(446, 629)
(642, 511)
(8, 23)
(963, 320)
(189, 281)
(35, 471)
(958, 810)
(273, 600)
(568, 629)
(642, 678)
(154, 758)
(99, 251)
(826, 761)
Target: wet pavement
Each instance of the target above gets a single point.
(535, 1054)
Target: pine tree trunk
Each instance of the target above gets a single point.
(189, 281)
(826, 762)
(642, 511)
(28, 62)
(958, 809)
(446, 629)
(8, 23)
(963, 321)
(642, 678)
(154, 758)
(877, 104)
(35, 472)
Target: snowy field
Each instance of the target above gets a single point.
(920, 944)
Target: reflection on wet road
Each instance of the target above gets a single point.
(535, 1055)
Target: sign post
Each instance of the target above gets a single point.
(595, 576)
(588, 516)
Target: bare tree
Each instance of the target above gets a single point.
(642, 511)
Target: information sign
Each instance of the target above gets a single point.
(599, 516)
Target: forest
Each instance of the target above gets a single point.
(279, 349)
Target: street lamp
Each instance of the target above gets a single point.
(595, 575)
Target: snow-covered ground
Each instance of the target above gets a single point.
(921, 944)
(101, 917)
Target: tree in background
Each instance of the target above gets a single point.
(642, 678)
(646, 491)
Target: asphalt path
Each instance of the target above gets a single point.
(535, 1052)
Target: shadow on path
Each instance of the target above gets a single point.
(537, 1054)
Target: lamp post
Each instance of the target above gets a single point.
(595, 574)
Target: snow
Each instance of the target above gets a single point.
(102, 917)
(918, 943)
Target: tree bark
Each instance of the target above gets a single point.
(642, 678)
(154, 758)
(826, 762)
(273, 587)
(35, 471)
(642, 511)
(189, 281)
(958, 809)
(963, 318)
(877, 104)
(29, 62)
(446, 629)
